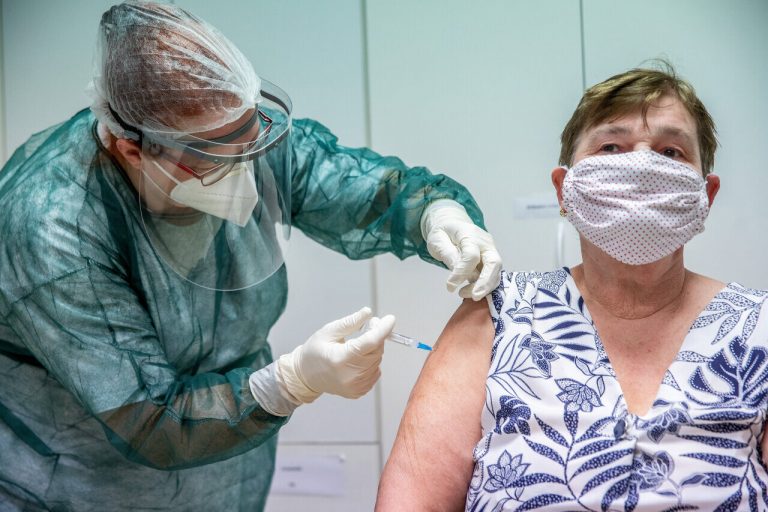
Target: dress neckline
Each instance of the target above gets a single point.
(571, 283)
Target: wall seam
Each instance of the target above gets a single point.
(3, 124)
(378, 405)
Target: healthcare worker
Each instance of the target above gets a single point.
(142, 269)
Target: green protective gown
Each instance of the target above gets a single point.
(123, 386)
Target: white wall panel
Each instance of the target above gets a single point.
(47, 62)
(722, 49)
(481, 93)
(313, 50)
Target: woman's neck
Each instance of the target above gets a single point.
(631, 292)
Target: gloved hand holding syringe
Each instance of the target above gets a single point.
(341, 358)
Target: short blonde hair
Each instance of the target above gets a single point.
(628, 92)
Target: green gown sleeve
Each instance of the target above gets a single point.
(91, 332)
(360, 203)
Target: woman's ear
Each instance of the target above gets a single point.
(713, 185)
(558, 175)
(130, 150)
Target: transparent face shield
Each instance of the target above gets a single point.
(218, 210)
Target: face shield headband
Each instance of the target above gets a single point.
(271, 134)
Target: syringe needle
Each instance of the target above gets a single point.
(407, 341)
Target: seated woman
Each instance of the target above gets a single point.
(624, 383)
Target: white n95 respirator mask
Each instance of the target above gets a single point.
(638, 207)
(232, 198)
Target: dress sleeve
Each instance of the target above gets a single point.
(91, 332)
(505, 299)
(360, 203)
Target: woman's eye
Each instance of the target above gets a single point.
(609, 148)
(670, 153)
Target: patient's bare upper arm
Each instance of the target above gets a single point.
(431, 464)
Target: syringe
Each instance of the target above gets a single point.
(407, 341)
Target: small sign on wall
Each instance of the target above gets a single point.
(536, 206)
(310, 475)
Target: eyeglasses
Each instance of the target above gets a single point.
(217, 172)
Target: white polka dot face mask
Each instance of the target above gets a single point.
(638, 207)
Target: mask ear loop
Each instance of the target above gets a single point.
(560, 237)
(165, 172)
(146, 177)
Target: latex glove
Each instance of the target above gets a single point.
(467, 250)
(328, 363)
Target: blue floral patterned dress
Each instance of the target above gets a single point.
(556, 431)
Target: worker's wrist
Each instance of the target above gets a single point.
(289, 377)
(267, 390)
(427, 218)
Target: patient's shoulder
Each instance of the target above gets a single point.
(713, 294)
(516, 287)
